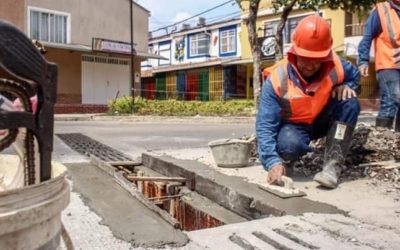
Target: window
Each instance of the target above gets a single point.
(164, 50)
(228, 41)
(48, 26)
(199, 44)
(291, 26)
(270, 28)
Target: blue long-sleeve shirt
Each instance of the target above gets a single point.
(372, 30)
(269, 119)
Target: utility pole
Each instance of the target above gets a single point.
(132, 68)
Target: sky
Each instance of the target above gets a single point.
(165, 12)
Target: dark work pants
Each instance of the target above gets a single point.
(294, 139)
(389, 88)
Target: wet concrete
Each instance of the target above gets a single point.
(201, 203)
(234, 193)
(127, 218)
(309, 231)
(211, 208)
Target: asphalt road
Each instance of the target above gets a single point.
(134, 138)
(90, 208)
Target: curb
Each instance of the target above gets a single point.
(366, 117)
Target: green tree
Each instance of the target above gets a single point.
(286, 6)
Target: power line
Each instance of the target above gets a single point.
(199, 14)
(224, 16)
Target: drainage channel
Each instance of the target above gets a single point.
(88, 146)
(168, 196)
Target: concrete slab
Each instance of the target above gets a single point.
(377, 203)
(205, 205)
(85, 229)
(310, 231)
(233, 193)
(127, 218)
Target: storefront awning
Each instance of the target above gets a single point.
(88, 49)
(145, 55)
(246, 61)
(74, 47)
(211, 62)
(240, 61)
(185, 66)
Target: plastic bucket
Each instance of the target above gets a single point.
(231, 153)
(30, 217)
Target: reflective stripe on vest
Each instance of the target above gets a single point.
(286, 109)
(288, 113)
(387, 44)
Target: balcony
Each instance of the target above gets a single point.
(355, 29)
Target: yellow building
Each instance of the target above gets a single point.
(347, 30)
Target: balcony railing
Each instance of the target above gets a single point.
(355, 29)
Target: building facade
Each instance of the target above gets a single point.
(347, 30)
(196, 66)
(90, 41)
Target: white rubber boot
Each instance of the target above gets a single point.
(337, 144)
(329, 176)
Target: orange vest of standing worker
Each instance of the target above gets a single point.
(297, 106)
(387, 44)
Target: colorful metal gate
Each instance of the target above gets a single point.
(215, 83)
(191, 86)
(181, 85)
(171, 85)
(161, 86)
(204, 84)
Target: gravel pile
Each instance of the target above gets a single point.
(374, 152)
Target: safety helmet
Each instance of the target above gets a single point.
(312, 37)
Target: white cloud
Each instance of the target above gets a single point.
(164, 12)
(180, 16)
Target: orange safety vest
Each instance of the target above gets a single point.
(297, 106)
(387, 44)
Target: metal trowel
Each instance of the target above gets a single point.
(287, 190)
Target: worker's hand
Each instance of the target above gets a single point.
(343, 92)
(275, 175)
(364, 70)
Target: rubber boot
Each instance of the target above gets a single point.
(289, 168)
(397, 123)
(337, 144)
(384, 122)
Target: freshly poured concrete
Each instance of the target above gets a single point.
(365, 200)
(310, 231)
(127, 218)
(231, 192)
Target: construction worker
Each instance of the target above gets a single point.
(309, 95)
(383, 27)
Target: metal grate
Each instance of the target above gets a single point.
(88, 146)
(106, 60)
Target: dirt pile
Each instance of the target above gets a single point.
(374, 152)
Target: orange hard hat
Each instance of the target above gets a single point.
(312, 37)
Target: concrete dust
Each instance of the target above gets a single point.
(85, 228)
(369, 145)
(127, 218)
(368, 199)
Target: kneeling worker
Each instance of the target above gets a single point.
(309, 95)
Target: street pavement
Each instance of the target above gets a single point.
(186, 138)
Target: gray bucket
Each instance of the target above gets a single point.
(231, 153)
(30, 217)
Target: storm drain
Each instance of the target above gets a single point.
(88, 146)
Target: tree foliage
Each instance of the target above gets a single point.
(359, 6)
(285, 7)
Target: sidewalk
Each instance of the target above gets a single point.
(366, 116)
